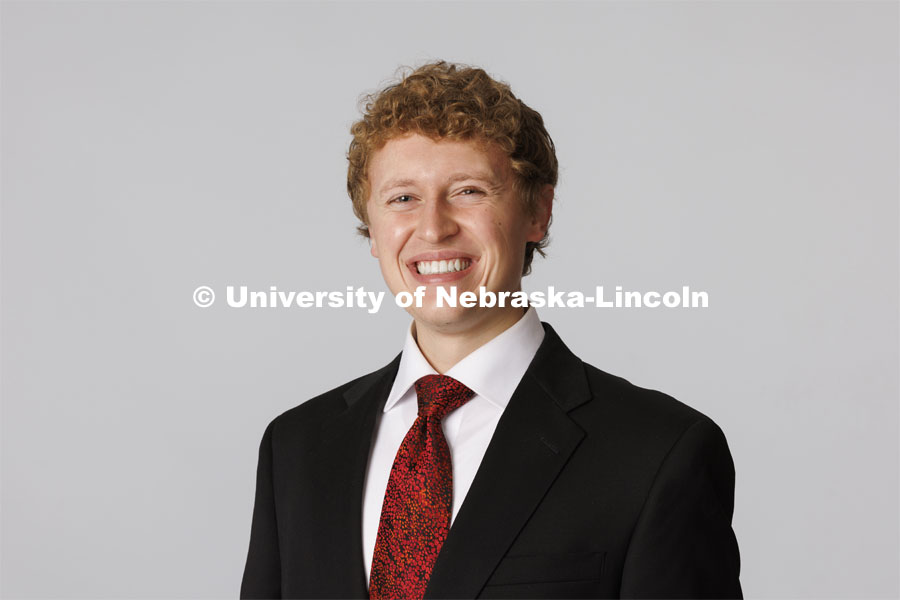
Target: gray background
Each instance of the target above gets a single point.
(747, 149)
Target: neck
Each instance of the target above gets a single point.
(443, 349)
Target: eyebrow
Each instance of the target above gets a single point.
(395, 183)
(455, 177)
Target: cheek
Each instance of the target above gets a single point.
(504, 234)
(388, 238)
(488, 226)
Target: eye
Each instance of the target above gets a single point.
(400, 199)
(471, 191)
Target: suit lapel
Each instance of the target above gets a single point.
(533, 441)
(344, 450)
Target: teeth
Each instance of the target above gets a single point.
(435, 267)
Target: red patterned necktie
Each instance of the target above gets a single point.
(415, 516)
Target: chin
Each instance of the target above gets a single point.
(443, 319)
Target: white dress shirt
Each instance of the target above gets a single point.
(493, 372)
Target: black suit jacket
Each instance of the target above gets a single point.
(590, 488)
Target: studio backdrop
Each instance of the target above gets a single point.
(748, 150)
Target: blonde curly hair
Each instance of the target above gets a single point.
(457, 102)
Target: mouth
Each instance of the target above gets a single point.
(440, 267)
(437, 267)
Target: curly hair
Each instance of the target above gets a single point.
(457, 102)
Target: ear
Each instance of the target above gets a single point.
(540, 221)
(373, 247)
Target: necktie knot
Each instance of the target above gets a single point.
(439, 395)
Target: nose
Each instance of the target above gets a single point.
(436, 221)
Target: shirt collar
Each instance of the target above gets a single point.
(492, 371)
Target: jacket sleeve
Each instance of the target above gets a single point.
(683, 545)
(262, 573)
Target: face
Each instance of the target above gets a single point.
(445, 213)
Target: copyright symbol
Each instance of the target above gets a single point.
(204, 296)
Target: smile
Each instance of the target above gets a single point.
(436, 267)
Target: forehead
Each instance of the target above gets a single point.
(420, 159)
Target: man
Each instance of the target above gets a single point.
(486, 460)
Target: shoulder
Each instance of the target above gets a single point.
(650, 421)
(610, 409)
(312, 413)
(617, 394)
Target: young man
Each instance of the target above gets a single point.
(486, 460)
